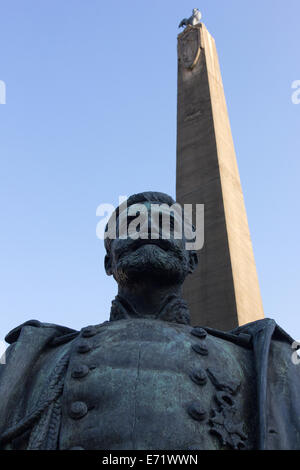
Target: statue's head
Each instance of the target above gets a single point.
(140, 252)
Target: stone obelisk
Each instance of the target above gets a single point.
(224, 291)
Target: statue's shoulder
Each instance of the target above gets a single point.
(56, 332)
(245, 335)
(266, 327)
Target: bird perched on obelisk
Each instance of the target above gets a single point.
(193, 20)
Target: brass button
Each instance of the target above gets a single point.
(200, 349)
(196, 411)
(81, 370)
(199, 376)
(199, 332)
(88, 331)
(78, 409)
(83, 347)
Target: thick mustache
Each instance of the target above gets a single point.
(129, 246)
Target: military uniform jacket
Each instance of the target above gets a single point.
(149, 384)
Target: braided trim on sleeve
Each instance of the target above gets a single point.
(51, 392)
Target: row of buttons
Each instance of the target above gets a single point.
(79, 409)
(195, 410)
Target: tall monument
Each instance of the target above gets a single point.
(223, 292)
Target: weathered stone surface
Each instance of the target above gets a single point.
(224, 290)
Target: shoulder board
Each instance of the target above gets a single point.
(62, 331)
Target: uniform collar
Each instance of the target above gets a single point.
(174, 309)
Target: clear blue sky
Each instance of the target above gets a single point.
(91, 115)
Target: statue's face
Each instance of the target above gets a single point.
(160, 260)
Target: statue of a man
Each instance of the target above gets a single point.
(146, 379)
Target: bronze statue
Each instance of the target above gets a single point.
(146, 379)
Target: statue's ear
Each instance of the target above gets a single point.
(193, 261)
(107, 264)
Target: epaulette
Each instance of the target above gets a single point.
(63, 333)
